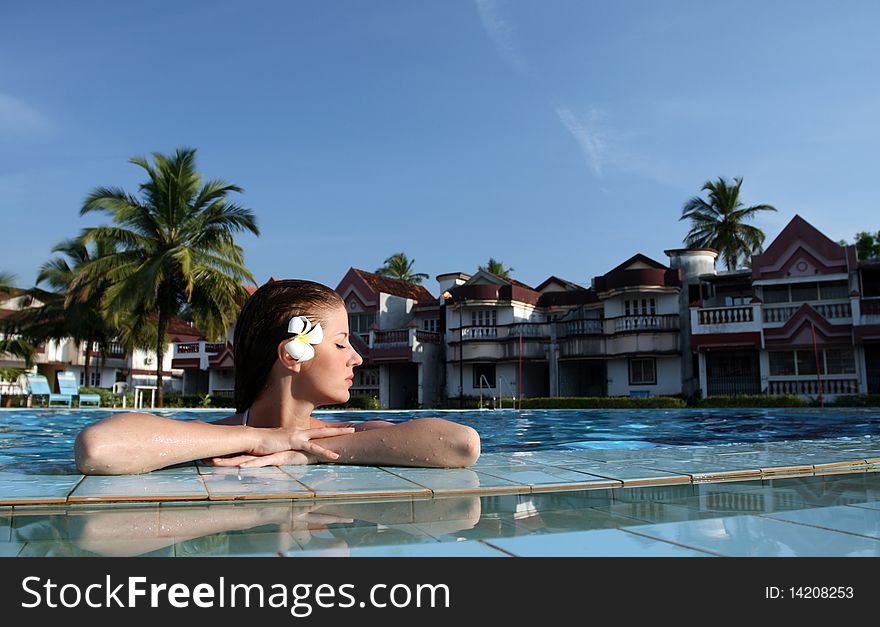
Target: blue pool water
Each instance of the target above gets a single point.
(41, 441)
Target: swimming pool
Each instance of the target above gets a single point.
(41, 440)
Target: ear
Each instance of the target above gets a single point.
(286, 358)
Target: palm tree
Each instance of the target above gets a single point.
(399, 267)
(12, 342)
(175, 249)
(720, 222)
(497, 268)
(73, 309)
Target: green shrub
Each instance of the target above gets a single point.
(752, 400)
(105, 394)
(594, 402)
(852, 400)
(358, 402)
(198, 400)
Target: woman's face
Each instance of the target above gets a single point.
(330, 374)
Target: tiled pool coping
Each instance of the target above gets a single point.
(494, 473)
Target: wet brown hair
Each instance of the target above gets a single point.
(262, 324)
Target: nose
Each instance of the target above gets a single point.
(357, 360)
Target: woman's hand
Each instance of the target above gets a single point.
(285, 439)
(281, 458)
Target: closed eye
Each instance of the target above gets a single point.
(340, 346)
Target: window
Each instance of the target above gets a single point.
(429, 325)
(94, 378)
(803, 292)
(484, 370)
(360, 323)
(803, 362)
(366, 377)
(640, 306)
(806, 362)
(484, 318)
(781, 363)
(775, 294)
(833, 290)
(643, 371)
(839, 361)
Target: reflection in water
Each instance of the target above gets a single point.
(336, 527)
(242, 528)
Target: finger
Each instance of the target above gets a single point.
(326, 432)
(273, 459)
(316, 449)
(231, 461)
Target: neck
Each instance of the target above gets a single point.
(277, 406)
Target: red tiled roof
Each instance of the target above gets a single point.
(511, 281)
(396, 287)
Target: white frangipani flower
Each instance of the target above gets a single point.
(300, 347)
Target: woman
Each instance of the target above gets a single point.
(292, 355)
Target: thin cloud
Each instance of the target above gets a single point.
(18, 119)
(501, 31)
(589, 134)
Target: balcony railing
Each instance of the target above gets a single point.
(427, 337)
(774, 314)
(482, 333)
(642, 323)
(114, 349)
(811, 386)
(394, 337)
(725, 315)
(398, 338)
(581, 327)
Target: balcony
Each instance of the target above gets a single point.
(400, 345)
(869, 311)
(810, 387)
(581, 327)
(634, 324)
(737, 319)
(189, 354)
(114, 350)
(835, 313)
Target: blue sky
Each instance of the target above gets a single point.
(560, 137)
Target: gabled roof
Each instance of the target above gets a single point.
(496, 280)
(395, 287)
(802, 249)
(182, 331)
(568, 285)
(639, 260)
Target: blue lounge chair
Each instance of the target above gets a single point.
(39, 386)
(67, 385)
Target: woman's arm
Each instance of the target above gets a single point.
(424, 442)
(135, 443)
(314, 423)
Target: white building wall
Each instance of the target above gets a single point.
(394, 311)
(668, 377)
(221, 380)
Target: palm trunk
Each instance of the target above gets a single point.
(160, 354)
(88, 361)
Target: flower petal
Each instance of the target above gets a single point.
(316, 335)
(297, 325)
(296, 349)
(308, 353)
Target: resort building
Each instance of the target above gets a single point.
(395, 326)
(620, 337)
(803, 320)
(113, 365)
